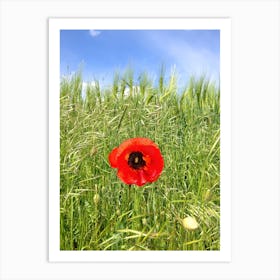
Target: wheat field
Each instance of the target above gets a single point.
(97, 210)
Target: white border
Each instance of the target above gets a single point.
(24, 139)
(224, 25)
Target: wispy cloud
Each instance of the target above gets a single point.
(94, 33)
(188, 59)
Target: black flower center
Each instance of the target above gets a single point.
(135, 160)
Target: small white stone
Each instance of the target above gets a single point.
(190, 223)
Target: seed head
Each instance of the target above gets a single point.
(93, 151)
(144, 221)
(96, 198)
(207, 195)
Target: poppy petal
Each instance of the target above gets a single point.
(141, 178)
(130, 143)
(113, 158)
(127, 175)
(130, 176)
(155, 158)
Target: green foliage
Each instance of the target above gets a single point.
(98, 211)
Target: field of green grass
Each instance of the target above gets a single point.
(97, 210)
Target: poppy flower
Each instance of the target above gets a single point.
(138, 161)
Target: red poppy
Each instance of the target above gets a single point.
(138, 161)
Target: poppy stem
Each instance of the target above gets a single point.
(129, 195)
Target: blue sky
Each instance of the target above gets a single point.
(101, 53)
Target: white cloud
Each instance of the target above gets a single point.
(84, 87)
(94, 33)
(194, 61)
(135, 90)
(188, 60)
